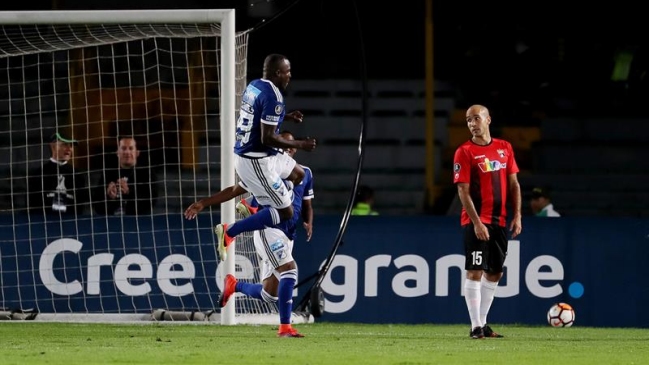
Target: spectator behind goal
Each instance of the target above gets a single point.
(364, 201)
(128, 189)
(541, 203)
(56, 188)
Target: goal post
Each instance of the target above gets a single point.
(170, 78)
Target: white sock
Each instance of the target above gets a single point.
(487, 292)
(472, 298)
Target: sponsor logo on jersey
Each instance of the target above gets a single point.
(277, 245)
(250, 95)
(279, 249)
(491, 166)
(271, 118)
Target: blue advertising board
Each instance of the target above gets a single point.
(108, 264)
(388, 269)
(410, 270)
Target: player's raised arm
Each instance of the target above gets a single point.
(272, 139)
(218, 198)
(296, 116)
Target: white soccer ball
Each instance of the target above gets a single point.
(561, 315)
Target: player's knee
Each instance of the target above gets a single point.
(286, 213)
(268, 297)
(493, 276)
(270, 285)
(287, 266)
(297, 175)
(474, 275)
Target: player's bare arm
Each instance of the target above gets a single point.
(516, 226)
(295, 116)
(307, 218)
(481, 230)
(218, 198)
(272, 139)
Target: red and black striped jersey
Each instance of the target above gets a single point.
(486, 170)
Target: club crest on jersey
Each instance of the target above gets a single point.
(491, 166)
(501, 153)
(279, 109)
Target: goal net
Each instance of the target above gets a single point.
(147, 101)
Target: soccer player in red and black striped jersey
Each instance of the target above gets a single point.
(485, 172)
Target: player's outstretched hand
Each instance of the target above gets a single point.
(193, 210)
(295, 116)
(308, 144)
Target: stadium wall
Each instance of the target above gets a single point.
(388, 270)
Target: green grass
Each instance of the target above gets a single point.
(325, 343)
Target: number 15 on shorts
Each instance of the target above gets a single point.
(476, 257)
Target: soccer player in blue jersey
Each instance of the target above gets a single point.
(273, 244)
(256, 147)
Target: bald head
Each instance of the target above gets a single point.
(478, 120)
(478, 109)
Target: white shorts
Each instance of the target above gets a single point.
(284, 165)
(274, 248)
(263, 178)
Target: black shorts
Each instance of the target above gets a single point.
(485, 255)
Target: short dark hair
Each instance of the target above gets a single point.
(272, 63)
(540, 192)
(363, 194)
(119, 138)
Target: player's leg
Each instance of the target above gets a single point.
(264, 182)
(497, 247)
(266, 291)
(287, 281)
(474, 264)
(289, 170)
(247, 206)
(253, 290)
(279, 253)
(295, 176)
(263, 179)
(271, 283)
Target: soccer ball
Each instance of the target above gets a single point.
(561, 315)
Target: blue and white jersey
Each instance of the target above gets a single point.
(262, 102)
(302, 192)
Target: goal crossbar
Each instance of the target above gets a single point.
(157, 16)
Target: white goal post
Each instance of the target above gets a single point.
(170, 78)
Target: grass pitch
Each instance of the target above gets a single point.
(325, 343)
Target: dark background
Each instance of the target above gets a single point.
(529, 62)
(474, 40)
